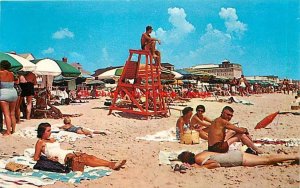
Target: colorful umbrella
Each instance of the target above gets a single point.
(17, 62)
(54, 68)
(266, 121)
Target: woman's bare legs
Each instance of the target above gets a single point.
(254, 160)
(18, 111)
(12, 109)
(5, 109)
(93, 161)
(29, 106)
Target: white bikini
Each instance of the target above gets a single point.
(53, 150)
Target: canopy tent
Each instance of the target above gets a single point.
(54, 68)
(17, 62)
(177, 75)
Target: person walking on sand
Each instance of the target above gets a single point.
(219, 139)
(149, 43)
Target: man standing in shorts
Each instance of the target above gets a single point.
(219, 139)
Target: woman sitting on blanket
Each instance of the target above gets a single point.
(184, 121)
(200, 122)
(79, 130)
(212, 160)
(51, 149)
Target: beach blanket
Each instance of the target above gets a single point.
(236, 100)
(289, 142)
(39, 178)
(56, 133)
(161, 136)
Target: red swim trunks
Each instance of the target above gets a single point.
(219, 147)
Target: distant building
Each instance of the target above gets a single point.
(27, 56)
(168, 66)
(271, 78)
(226, 69)
(79, 67)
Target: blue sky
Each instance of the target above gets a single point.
(262, 36)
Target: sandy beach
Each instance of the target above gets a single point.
(142, 168)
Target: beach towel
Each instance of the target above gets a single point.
(289, 142)
(38, 177)
(56, 133)
(236, 100)
(161, 136)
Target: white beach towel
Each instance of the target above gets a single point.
(161, 136)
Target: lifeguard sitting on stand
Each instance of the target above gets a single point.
(149, 43)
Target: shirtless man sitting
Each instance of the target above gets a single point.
(149, 43)
(219, 141)
(200, 122)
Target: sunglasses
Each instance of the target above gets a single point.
(201, 111)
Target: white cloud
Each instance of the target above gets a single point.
(180, 27)
(106, 59)
(63, 33)
(48, 51)
(232, 23)
(216, 45)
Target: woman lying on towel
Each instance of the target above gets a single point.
(212, 160)
(51, 149)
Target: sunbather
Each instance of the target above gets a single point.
(51, 149)
(212, 160)
(79, 130)
(219, 140)
(183, 122)
(200, 122)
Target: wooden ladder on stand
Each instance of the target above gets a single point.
(150, 101)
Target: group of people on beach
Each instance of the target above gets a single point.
(220, 134)
(14, 89)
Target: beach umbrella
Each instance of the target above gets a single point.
(111, 74)
(54, 68)
(266, 121)
(17, 62)
(177, 74)
(95, 82)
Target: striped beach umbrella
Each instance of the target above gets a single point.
(17, 62)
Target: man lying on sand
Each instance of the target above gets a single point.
(219, 140)
(79, 130)
(212, 160)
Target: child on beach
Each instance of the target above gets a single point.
(79, 130)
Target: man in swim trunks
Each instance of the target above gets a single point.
(148, 43)
(219, 138)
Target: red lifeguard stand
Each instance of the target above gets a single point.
(141, 84)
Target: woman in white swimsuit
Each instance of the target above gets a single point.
(51, 149)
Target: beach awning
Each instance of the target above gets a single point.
(111, 74)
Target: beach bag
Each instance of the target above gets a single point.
(16, 167)
(46, 164)
(76, 162)
(190, 137)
